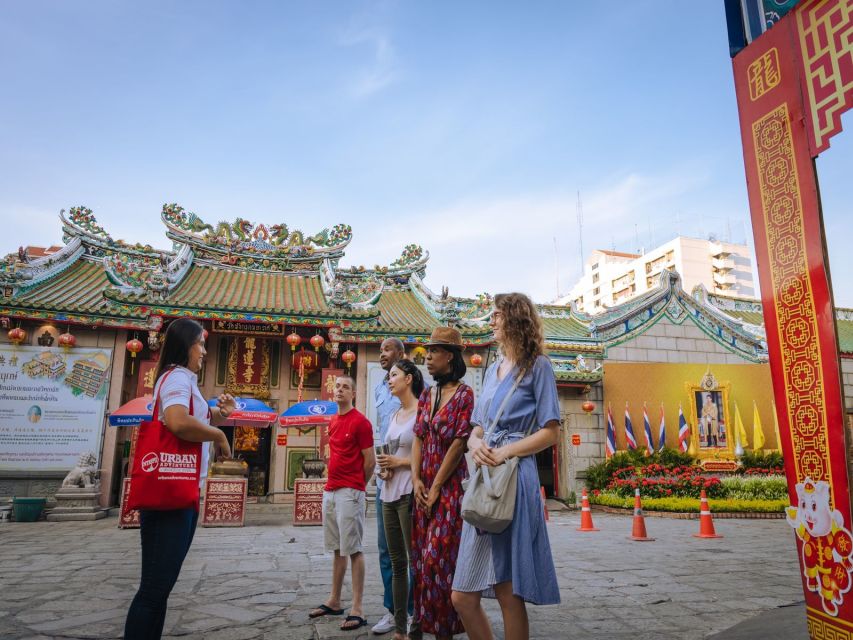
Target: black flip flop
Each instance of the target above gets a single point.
(361, 623)
(325, 611)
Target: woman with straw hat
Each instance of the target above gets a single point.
(442, 428)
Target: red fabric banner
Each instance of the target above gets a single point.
(327, 389)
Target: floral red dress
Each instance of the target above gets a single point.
(435, 540)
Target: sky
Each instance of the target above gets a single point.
(471, 128)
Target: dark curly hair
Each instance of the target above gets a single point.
(522, 327)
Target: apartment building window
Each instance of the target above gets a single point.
(650, 282)
(628, 278)
(657, 264)
(595, 266)
(624, 293)
(596, 291)
(595, 277)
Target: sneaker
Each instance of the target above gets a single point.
(385, 624)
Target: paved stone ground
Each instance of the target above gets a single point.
(75, 580)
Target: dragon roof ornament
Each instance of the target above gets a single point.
(254, 246)
(18, 270)
(140, 275)
(412, 261)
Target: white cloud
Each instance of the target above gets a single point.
(508, 243)
(383, 67)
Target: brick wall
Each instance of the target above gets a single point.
(669, 342)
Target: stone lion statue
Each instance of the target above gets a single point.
(84, 474)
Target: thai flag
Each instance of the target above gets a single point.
(610, 443)
(629, 431)
(650, 446)
(661, 430)
(683, 430)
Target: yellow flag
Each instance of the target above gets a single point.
(741, 431)
(776, 428)
(757, 431)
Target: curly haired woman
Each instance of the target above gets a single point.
(514, 566)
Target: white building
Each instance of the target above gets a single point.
(613, 277)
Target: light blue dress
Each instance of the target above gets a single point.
(521, 553)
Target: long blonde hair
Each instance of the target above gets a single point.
(522, 327)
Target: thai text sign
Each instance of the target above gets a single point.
(256, 328)
(51, 406)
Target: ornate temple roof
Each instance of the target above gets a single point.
(751, 313)
(232, 271)
(251, 272)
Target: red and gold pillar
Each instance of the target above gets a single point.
(792, 84)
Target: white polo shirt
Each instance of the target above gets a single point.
(181, 383)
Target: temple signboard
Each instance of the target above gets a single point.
(242, 328)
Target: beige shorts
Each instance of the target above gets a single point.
(343, 520)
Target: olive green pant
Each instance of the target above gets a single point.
(397, 518)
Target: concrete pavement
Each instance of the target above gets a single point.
(75, 580)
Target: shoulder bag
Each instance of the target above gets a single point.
(489, 499)
(165, 469)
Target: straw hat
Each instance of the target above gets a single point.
(446, 337)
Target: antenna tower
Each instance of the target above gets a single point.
(580, 230)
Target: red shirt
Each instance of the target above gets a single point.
(349, 434)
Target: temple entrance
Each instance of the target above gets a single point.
(546, 464)
(253, 444)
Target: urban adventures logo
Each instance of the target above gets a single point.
(170, 462)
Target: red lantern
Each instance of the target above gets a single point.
(476, 360)
(308, 360)
(134, 346)
(588, 407)
(17, 335)
(293, 340)
(348, 357)
(317, 342)
(67, 341)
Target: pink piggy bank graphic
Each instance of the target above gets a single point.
(826, 543)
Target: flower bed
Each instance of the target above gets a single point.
(657, 481)
(690, 505)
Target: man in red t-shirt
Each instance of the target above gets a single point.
(351, 463)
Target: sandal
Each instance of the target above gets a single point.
(359, 622)
(324, 610)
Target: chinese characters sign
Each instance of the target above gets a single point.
(249, 367)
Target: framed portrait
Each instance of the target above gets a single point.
(709, 418)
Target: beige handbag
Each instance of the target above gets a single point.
(489, 499)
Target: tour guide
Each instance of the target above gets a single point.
(351, 462)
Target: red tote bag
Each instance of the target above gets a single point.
(165, 472)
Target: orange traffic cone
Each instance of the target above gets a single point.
(706, 522)
(544, 504)
(638, 531)
(586, 514)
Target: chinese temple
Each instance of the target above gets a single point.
(271, 296)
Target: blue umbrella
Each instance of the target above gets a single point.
(250, 411)
(309, 412)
